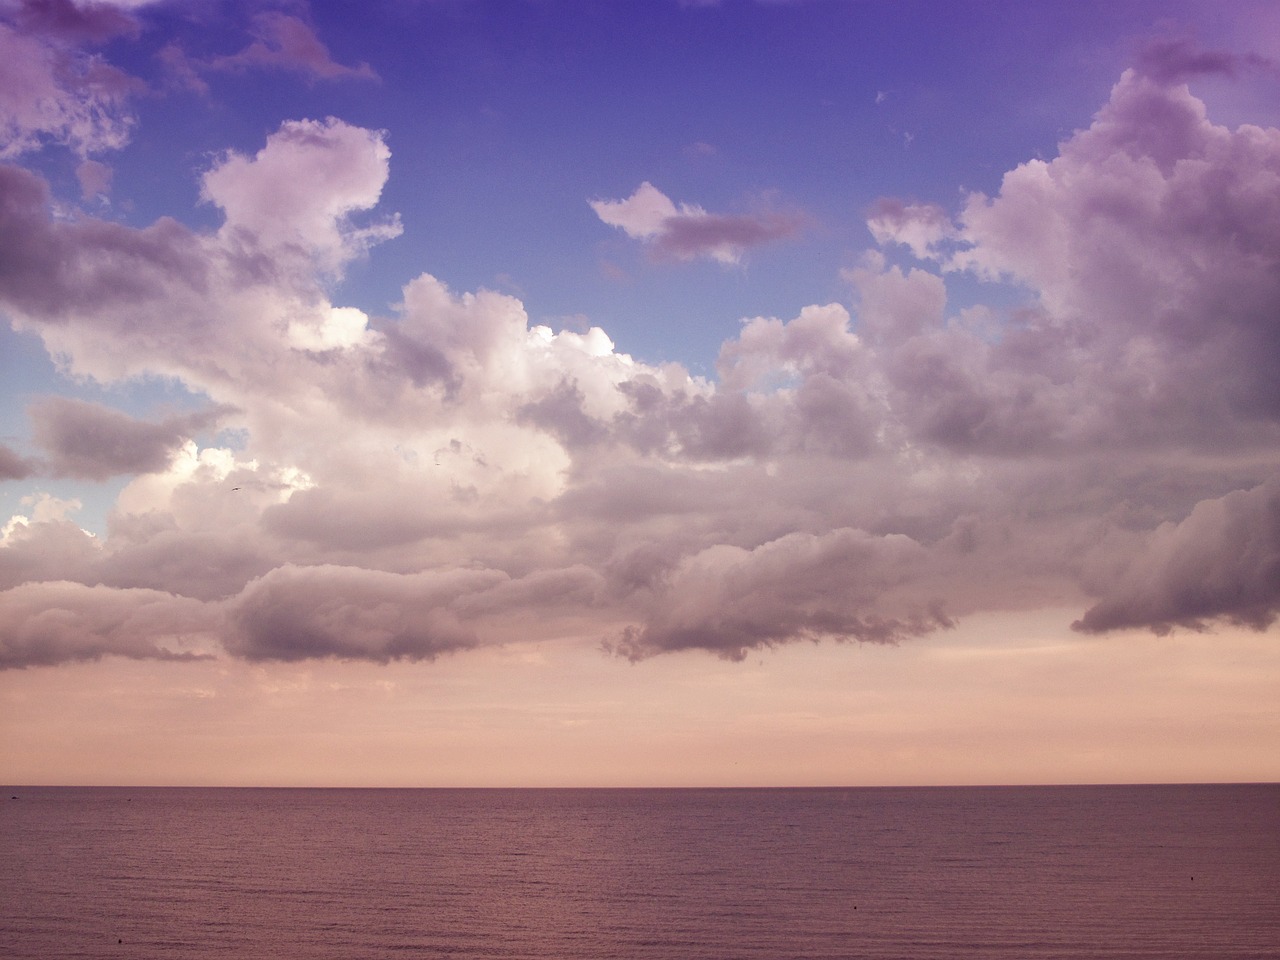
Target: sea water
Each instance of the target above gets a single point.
(1024, 873)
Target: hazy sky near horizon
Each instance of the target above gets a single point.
(448, 392)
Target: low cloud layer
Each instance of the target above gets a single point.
(451, 475)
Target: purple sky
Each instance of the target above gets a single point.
(655, 392)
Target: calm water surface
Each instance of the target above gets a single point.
(1034, 872)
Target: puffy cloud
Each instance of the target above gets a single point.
(922, 227)
(57, 622)
(687, 232)
(296, 613)
(801, 586)
(451, 475)
(1150, 245)
(90, 442)
(302, 187)
(1223, 560)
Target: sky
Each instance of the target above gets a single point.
(662, 393)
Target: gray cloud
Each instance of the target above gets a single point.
(834, 586)
(87, 441)
(687, 232)
(13, 466)
(59, 622)
(297, 613)
(1223, 560)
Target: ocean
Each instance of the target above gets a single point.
(1022, 873)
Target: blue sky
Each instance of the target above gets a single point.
(350, 346)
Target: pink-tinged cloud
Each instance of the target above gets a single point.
(1177, 60)
(285, 42)
(453, 475)
(13, 466)
(301, 189)
(75, 22)
(923, 228)
(1222, 561)
(50, 93)
(1150, 243)
(687, 232)
(298, 613)
(60, 622)
(799, 587)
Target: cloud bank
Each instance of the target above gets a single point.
(450, 475)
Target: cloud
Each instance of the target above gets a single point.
(302, 188)
(74, 22)
(52, 93)
(13, 466)
(86, 441)
(452, 475)
(921, 227)
(59, 622)
(1145, 243)
(297, 613)
(730, 600)
(281, 42)
(687, 232)
(1176, 60)
(1223, 560)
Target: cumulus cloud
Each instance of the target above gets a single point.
(451, 474)
(730, 600)
(1223, 560)
(921, 227)
(1145, 243)
(302, 188)
(296, 613)
(58, 622)
(687, 232)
